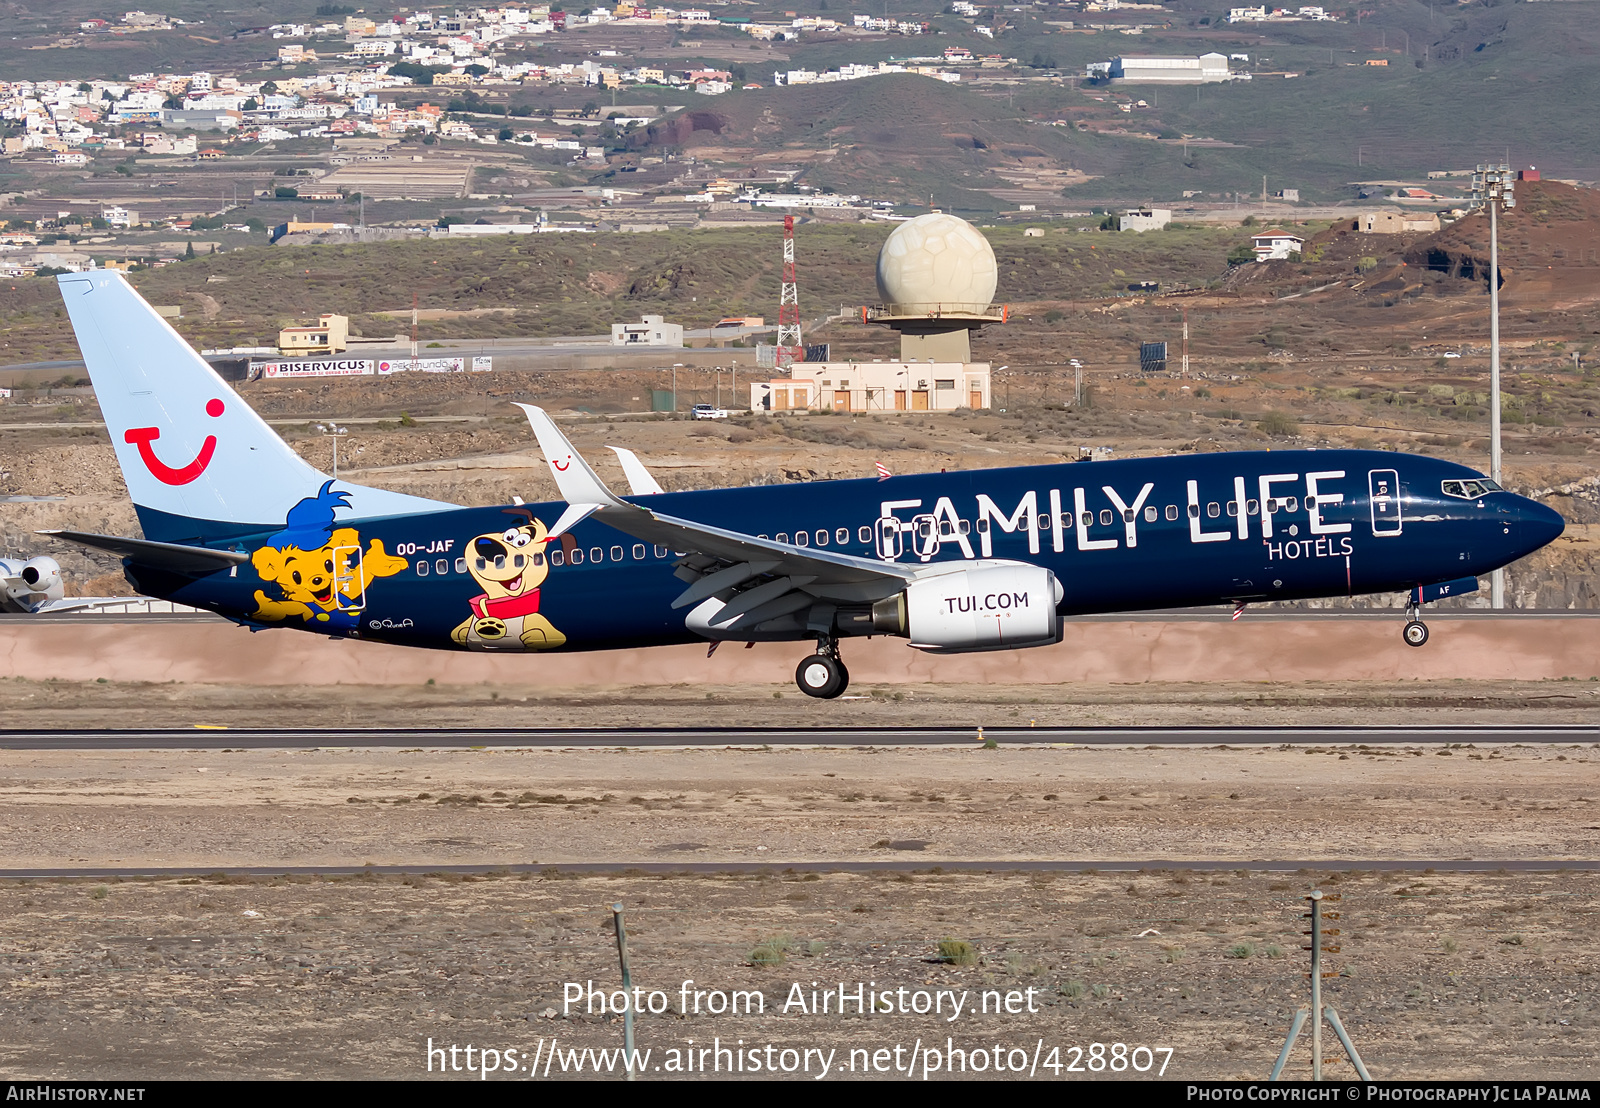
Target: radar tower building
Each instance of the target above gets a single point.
(936, 282)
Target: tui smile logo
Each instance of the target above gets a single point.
(142, 437)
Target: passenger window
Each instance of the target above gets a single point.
(966, 527)
(442, 566)
(1172, 511)
(1194, 511)
(1233, 507)
(616, 553)
(1213, 509)
(842, 536)
(576, 558)
(1251, 507)
(801, 538)
(783, 536)
(1127, 516)
(422, 569)
(1290, 505)
(638, 551)
(1066, 519)
(1105, 517)
(822, 538)
(597, 554)
(661, 551)
(863, 534)
(1150, 514)
(1311, 502)
(983, 526)
(1088, 519)
(558, 557)
(461, 565)
(537, 559)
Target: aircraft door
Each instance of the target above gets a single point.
(347, 579)
(1383, 487)
(889, 540)
(925, 536)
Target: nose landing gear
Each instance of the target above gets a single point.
(1415, 632)
(823, 675)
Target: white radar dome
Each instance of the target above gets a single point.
(937, 263)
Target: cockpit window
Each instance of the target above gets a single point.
(1469, 490)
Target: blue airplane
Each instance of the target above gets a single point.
(992, 559)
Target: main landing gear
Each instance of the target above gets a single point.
(1415, 632)
(823, 675)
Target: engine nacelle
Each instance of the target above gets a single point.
(36, 583)
(1003, 607)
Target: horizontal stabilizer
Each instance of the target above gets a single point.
(194, 561)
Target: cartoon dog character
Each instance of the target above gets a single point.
(509, 566)
(320, 569)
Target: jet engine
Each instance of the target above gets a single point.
(1001, 607)
(32, 585)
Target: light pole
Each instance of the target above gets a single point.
(675, 367)
(1493, 186)
(333, 432)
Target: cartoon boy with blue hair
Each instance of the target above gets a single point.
(319, 568)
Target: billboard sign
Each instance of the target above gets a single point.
(422, 365)
(318, 367)
(482, 363)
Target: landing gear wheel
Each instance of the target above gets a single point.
(1415, 633)
(822, 677)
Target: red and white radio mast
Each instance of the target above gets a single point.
(789, 348)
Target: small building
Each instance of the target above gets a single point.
(1206, 69)
(1387, 221)
(877, 387)
(1276, 245)
(652, 330)
(1145, 219)
(1289, 196)
(329, 335)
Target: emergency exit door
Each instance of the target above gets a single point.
(1383, 488)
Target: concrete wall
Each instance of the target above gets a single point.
(1325, 649)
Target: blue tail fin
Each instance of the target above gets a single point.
(200, 464)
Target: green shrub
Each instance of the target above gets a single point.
(958, 952)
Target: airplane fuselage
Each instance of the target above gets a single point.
(1127, 535)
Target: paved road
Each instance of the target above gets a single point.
(912, 863)
(436, 739)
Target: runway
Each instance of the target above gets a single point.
(778, 868)
(607, 738)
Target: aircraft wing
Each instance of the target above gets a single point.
(716, 561)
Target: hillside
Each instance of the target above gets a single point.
(902, 135)
(1486, 79)
(580, 284)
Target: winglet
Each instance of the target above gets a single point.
(579, 484)
(640, 482)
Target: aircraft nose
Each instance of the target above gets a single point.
(1537, 525)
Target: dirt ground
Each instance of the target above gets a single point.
(1442, 975)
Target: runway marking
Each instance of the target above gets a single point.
(630, 737)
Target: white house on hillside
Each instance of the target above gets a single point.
(1276, 245)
